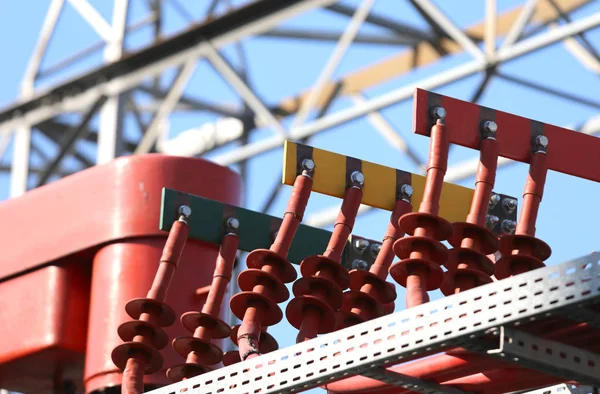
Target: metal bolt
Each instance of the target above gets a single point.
(541, 143)
(186, 211)
(490, 126)
(509, 204)
(308, 165)
(233, 223)
(509, 226)
(358, 178)
(491, 221)
(375, 248)
(494, 200)
(359, 264)
(406, 191)
(438, 112)
(361, 244)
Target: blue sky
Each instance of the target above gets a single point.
(569, 215)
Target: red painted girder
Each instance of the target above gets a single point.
(569, 152)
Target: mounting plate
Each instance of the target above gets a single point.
(257, 230)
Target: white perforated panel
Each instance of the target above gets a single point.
(447, 322)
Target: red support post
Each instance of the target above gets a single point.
(144, 337)
(263, 283)
(198, 349)
(422, 252)
(319, 293)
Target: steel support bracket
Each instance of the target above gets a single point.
(565, 389)
(410, 383)
(543, 355)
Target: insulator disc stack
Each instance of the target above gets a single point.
(370, 295)
(468, 264)
(319, 293)
(198, 349)
(263, 283)
(522, 251)
(144, 336)
(422, 253)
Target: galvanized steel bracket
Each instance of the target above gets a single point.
(547, 356)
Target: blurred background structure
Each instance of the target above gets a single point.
(85, 81)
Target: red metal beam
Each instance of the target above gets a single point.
(569, 152)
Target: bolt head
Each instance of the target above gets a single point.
(361, 244)
(406, 190)
(510, 204)
(490, 126)
(308, 165)
(357, 178)
(375, 248)
(494, 199)
(233, 223)
(541, 141)
(186, 211)
(491, 221)
(509, 226)
(438, 112)
(359, 264)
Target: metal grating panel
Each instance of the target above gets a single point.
(554, 358)
(450, 321)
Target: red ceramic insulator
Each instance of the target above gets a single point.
(468, 265)
(144, 336)
(262, 284)
(522, 251)
(370, 296)
(422, 253)
(198, 349)
(319, 293)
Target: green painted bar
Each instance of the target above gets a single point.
(255, 232)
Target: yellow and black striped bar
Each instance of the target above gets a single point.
(381, 182)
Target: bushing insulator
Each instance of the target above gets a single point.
(271, 312)
(260, 257)
(162, 314)
(215, 327)
(156, 336)
(480, 261)
(521, 253)
(485, 240)
(535, 246)
(207, 352)
(381, 290)
(313, 265)
(186, 371)
(432, 248)
(440, 228)
(295, 312)
(151, 357)
(309, 284)
(401, 270)
(251, 277)
(370, 307)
